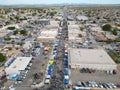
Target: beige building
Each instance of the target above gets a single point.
(4, 32)
(81, 17)
(53, 25)
(91, 58)
(97, 29)
(73, 33)
(48, 35)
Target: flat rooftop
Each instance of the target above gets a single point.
(71, 22)
(74, 26)
(4, 32)
(73, 31)
(82, 17)
(51, 33)
(89, 56)
(52, 22)
(53, 25)
(20, 63)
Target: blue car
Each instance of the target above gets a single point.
(65, 63)
(66, 71)
(49, 72)
(65, 57)
(50, 69)
(54, 53)
(37, 47)
(66, 81)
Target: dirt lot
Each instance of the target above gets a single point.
(39, 66)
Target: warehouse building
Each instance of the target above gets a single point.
(74, 32)
(18, 65)
(91, 58)
(53, 25)
(81, 17)
(48, 35)
(43, 21)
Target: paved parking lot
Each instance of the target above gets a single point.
(98, 76)
(39, 67)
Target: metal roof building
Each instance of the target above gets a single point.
(47, 35)
(91, 58)
(81, 17)
(19, 64)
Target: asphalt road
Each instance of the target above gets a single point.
(56, 82)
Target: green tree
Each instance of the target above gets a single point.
(117, 40)
(20, 43)
(2, 57)
(11, 28)
(81, 28)
(114, 55)
(7, 38)
(15, 32)
(114, 32)
(24, 32)
(52, 13)
(10, 48)
(80, 35)
(109, 41)
(16, 17)
(94, 21)
(7, 22)
(107, 27)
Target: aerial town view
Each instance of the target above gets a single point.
(59, 45)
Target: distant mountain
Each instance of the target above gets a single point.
(62, 4)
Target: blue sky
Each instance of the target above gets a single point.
(11, 2)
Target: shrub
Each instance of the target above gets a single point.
(107, 27)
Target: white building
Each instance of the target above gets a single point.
(14, 36)
(73, 31)
(91, 58)
(58, 18)
(19, 64)
(53, 25)
(27, 45)
(48, 35)
(84, 18)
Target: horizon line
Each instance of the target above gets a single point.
(63, 4)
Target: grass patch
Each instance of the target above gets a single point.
(114, 55)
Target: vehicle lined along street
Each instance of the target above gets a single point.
(60, 48)
(59, 75)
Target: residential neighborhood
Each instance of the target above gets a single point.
(60, 48)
